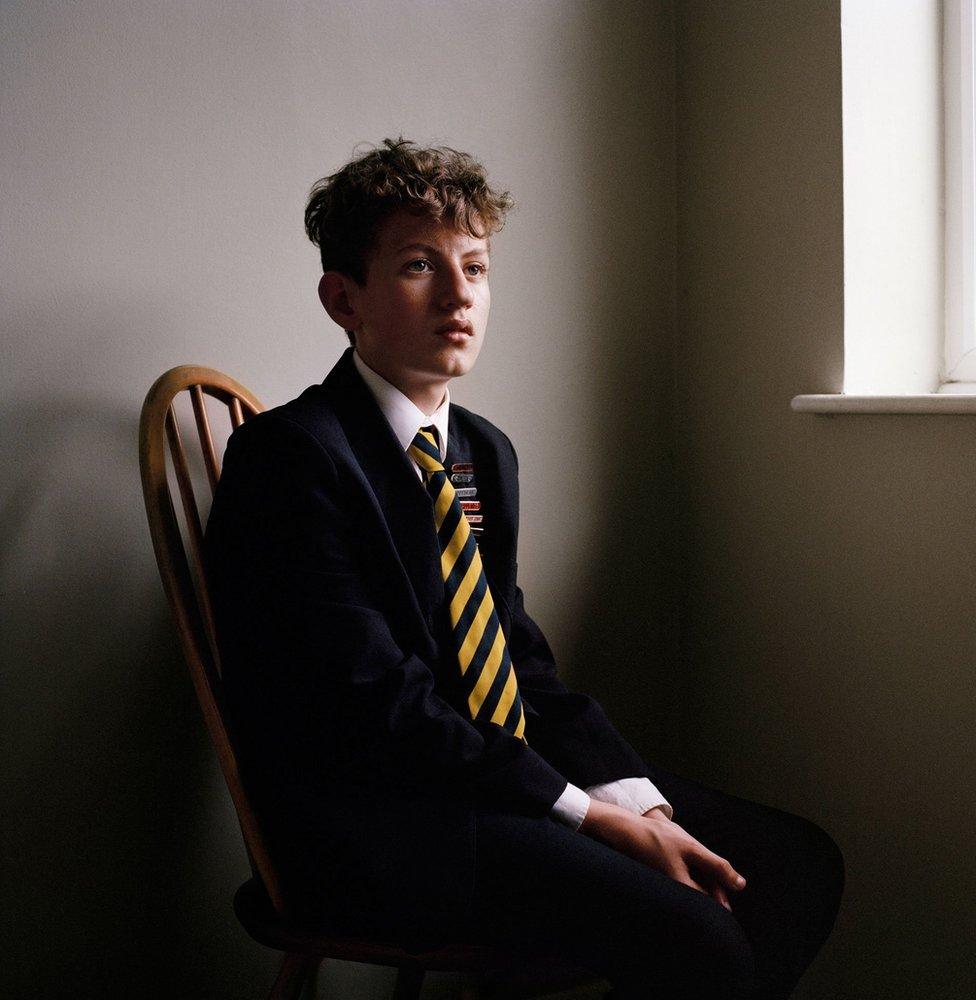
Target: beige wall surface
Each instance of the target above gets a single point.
(773, 603)
(156, 158)
(827, 562)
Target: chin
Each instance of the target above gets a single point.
(461, 366)
(457, 362)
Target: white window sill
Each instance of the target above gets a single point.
(959, 398)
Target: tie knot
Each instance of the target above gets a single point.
(425, 450)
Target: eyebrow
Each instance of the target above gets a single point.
(429, 249)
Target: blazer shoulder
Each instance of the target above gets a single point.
(312, 410)
(307, 422)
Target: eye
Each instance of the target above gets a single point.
(479, 268)
(421, 261)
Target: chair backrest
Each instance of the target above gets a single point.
(179, 555)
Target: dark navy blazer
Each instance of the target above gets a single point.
(342, 684)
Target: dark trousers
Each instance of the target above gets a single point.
(540, 883)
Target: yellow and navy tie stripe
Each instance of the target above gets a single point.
(486, 667)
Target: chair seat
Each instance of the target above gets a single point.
(268, 927)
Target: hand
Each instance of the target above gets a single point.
(659, 843)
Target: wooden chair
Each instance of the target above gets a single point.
(260, 903)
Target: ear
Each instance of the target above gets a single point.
(338, 297)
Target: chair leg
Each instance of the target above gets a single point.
(409, 983)
(291, 977)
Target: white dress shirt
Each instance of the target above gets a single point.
(405, 418)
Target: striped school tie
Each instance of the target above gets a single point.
(486, 667)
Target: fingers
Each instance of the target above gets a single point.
(681, 873)
(686, 879)
(721, 871)
(718, 893)
(715, 891)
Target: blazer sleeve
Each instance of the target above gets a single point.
(571, 730)
(315, 677)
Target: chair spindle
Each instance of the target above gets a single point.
(206, 438)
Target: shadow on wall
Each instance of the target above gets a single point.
(113, 814)
(628, 643)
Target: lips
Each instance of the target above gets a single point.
(455, 328)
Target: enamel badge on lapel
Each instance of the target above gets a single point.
(462, 477)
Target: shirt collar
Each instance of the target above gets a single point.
(402, 414)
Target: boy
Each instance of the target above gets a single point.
(423, 773)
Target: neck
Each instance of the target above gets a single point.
(426, 395)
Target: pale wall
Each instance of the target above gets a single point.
(156, 157)
(817, 571)
(828, 572)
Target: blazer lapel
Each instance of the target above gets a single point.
(404, 502)
(497, 542)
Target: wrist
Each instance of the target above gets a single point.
(602, 816)
(656, 812)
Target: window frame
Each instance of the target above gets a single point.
(960, 195)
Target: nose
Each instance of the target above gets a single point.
(456, 291)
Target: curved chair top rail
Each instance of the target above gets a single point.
(180, 560)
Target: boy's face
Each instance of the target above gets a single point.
(420, 317)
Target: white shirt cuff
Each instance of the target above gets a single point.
(570, 808)
(635, 794)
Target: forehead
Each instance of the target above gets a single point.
(403, 229)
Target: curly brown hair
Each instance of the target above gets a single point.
(346, 209)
